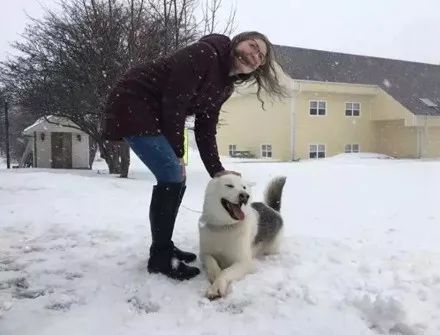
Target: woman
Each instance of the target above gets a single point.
(149, 105)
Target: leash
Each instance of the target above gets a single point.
(192, 210)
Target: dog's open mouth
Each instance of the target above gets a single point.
(234, 210)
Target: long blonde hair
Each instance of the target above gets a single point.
(265, 75)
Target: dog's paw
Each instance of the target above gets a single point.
(213, 275)
(211, 294)
(217, 290)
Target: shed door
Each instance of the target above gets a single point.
(61, 150)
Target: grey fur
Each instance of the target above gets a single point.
(269, 223)
(272, 196)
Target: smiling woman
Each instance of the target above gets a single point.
(249, 56)
(148, 107)
(254, 63)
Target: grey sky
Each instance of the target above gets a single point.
(403, 29)
(13, 19)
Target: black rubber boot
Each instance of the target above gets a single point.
(185, 256)
(164, 201)
(178, 253)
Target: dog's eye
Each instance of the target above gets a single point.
(229, 185)
(244, 187)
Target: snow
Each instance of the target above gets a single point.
(387, 83)
(360, 255)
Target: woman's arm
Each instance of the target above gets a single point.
(188, 69)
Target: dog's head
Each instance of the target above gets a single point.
(227, 200)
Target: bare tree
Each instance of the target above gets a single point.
(210, 20)
(68, 62)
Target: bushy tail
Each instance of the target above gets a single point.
(274, 190)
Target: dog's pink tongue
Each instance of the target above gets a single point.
(238, 213)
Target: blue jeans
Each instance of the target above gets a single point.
(158, 155)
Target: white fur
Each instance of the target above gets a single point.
(226, 245)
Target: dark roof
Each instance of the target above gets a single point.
(407, 82)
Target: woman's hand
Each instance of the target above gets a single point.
(222, 173)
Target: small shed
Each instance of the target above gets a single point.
(55, 142)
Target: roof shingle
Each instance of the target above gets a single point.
(405, 81)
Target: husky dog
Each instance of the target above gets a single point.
(233, 230)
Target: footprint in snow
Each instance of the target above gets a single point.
(33, 248)
(234, 307)
(19, 282)
(143, 307)
(73, 275)
(61, 302)
(28, 293)
(14, 267)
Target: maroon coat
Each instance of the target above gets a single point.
(156, 98)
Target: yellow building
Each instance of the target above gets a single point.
(337, 103)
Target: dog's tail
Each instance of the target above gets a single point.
(274, 190)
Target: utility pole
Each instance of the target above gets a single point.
(8, 158)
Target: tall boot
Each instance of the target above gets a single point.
(164, 200)
(178, 253)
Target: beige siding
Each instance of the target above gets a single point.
(433, 143)
(384, 125)
(335, 130)
(246, 124)
(385, 107)
(426, 121)
(394, 139)
(337, 88)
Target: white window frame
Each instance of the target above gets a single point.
(232, 149)
(350, 148)
(264, 151)
(352, 109)
(317, 145)
(318, 101)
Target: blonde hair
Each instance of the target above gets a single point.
(265, 75)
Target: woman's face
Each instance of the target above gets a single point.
(249, 55)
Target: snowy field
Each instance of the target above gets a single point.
(361, 253)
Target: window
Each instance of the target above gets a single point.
(266, 150)
(428, 102)
(317, 151)
(352, 109)
(232, 149)
(318, 107)
(349, 148)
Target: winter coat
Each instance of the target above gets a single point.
(156, 98)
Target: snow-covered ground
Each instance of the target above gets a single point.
(361, 253)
